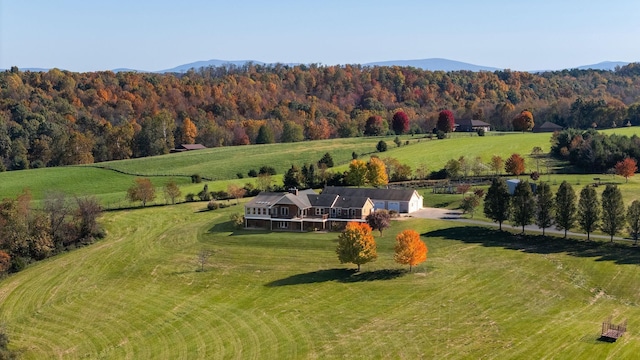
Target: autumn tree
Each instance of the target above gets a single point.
(523, 122)
(357, 173)
(379, 220)
(544, 206)
(470, 203)
(497, 202)
(236, 191)
(356, 244)
(188, 131)
(142, 191)
(400, 122)
(588, 210)
(523, 207)
(409, 249)
(626, 168)
(565, 207)
(633, 220)
(613, 216)
(514, 165)
(172, 191)
(446, 121)
(5, 262)
(376, 174)
(496, 164)
(375, 126)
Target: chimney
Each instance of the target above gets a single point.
(293, 191)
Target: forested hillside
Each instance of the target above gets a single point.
(60, 118)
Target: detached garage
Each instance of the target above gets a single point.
(400, 200)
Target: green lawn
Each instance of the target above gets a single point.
(481, 294)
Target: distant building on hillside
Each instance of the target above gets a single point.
(188, 147)
(548, 126)
(467, 125)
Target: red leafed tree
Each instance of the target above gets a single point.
(514, 165)
(409, 249)
(524, 121)
(5, 261)
(400, 122)
(446, 121)
(626, 168)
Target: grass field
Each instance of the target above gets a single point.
(481, 294)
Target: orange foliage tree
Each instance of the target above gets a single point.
(514, 165)
(376, 174)
(626, 168)
(409, 249)
(356, 244)
(189, 132)
(523, 122)
(5, 261)
(142, 191)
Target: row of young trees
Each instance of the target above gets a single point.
(59, 117)
(565, 209)
(28, 234)
(357, 245)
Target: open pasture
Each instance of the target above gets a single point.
(481, 294)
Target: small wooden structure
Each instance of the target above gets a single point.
(611, 332)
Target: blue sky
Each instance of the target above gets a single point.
(154, 35)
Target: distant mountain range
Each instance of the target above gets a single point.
(433, 64)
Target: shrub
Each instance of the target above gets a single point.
(196, 178)
(239, 175)
(237, 220)
(393, 213)
(190, 197)
(267, 170)
(481, 132)
(382, 146)
(252, 173)
(212, 205)
(441, 135)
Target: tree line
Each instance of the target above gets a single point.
(565, 210)
(60, 118)
(28, 234)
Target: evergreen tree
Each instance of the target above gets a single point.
(544, 206)
(523, 208)
(613, 216)
(588, 210)
(633, 219)
(497, 201)
(292, 178)
(326, 160)
(565, 207)
(265, 135)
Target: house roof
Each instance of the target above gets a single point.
(373, 194)
(265, 199)
(301, 201)
(192, 146)
(550, 125)
(351, 202)
(472, 123)
(322, 200)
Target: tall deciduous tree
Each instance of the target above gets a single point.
(633, 220)
(189, 131)
(446, 121)
(523, 207)
(357, 173)
(497, 202)
(236, 191)
(172, 191)
(379, 220)
(496, 164)
(523, 122)
(400, 122)
(514, 165)
(613, 216)
(356, 244)
(375, 126)
(292, 132)
(588, 210)
(142, 191)
(409, 249)
(544, 206)
(626, 168)
(565, 207)
(376, 172)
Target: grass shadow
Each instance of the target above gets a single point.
(339, 275)
(537, 244)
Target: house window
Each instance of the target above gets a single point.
(284, 211)
(264, 211)
(254, 210)
(353, 212)
(318, 211)
(283, 225)
(339, 212)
